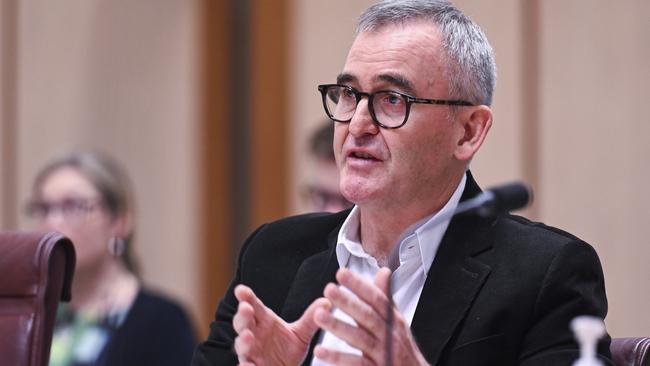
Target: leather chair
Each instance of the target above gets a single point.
(35, 273)
(631, 351)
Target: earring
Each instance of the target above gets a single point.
(116, 246)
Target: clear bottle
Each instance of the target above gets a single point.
(588, 330)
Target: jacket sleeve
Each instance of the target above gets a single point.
(573, 285)
(218, 349)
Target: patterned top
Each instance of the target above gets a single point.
(154, 331)
(79, 337)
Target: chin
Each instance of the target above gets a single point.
(358, 194)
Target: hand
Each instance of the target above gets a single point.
(264, 339)
(369, 309)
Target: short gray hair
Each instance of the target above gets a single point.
(470, 58)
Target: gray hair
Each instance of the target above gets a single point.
(469, 56)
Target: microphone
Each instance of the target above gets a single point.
(497, 200)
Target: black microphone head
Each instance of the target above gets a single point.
(511, 196)
(497, 200)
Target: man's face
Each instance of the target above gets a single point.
(413, 164)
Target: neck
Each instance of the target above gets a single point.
(103, 288)
(382, 225)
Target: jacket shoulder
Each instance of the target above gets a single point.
(535, 248)
(522, 231)
(309, 232)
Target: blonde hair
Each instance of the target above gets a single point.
(109, 178)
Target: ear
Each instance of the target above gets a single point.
(123, 226)
(475, 123)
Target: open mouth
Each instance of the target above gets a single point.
(363, 155)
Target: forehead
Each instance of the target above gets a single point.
(409, 54)
(66, 182)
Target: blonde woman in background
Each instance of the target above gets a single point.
(112, 319)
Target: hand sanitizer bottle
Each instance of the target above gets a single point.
(588, 330)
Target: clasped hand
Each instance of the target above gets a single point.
(265, 339)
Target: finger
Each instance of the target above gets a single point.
(382, 281)
(261, 312)
(363, 314)
(306, 326)
(244, 317)
(244, 344)
(340, 358)
(352, 335)
(365, 290)
(246, 294)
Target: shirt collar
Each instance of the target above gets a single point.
(348, 242)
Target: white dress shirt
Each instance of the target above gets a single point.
(417, 249)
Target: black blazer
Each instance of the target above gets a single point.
(499, 292)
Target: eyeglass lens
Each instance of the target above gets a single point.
(69, 208)
(389, 108)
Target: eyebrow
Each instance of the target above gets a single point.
(344, 78)
(397, 80)
(394, 79)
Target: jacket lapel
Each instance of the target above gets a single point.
(308, 285)
(453, 281)
(313, 274)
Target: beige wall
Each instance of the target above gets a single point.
(590, 152)
(118, 76)
(594, 166)
(7, 110)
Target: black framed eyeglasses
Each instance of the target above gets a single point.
(388, 109)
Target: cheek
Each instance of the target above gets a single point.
(424, 152)
(91, 243)
(91, 236)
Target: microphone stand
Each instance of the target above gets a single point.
(390, 321)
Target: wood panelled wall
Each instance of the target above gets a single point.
(214, 151)
(243, 131)
(270, 109)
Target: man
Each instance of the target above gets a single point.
(322, 194)
(412, 109)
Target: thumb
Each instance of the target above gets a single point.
(306, 327)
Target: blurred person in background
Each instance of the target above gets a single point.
(112, 319)
(322, 193)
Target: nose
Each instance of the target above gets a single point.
(53, 221)
(361, 122)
